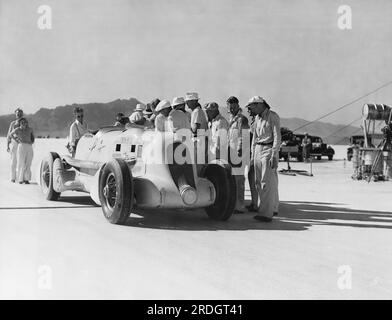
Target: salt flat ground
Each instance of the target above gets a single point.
(327, 224)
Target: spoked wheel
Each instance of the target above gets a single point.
(46, 177)
(110, 191)
(225, 190)
(116, 191)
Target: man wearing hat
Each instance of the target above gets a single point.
(238, 129)
(137, 116)
(218, 130)
(265, 154)
(161, 121)
(178, 117)
(199, 126)
(151, 107)
(198, 118)
(14, 144)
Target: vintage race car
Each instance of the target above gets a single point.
(137, 167)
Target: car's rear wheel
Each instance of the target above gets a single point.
(116, 191)
(330, 157)
(46, 177)
(318, 157)
(225, 191)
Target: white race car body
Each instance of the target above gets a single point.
(157, 179)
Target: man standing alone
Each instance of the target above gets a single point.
(265, 152)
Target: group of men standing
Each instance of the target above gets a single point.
(207, 126)
(260, 151)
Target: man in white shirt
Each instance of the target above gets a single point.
(14, 144)
(161, 121)
(137, 117)
(265, 154)
(77, 130)
(179, 119)
(199, 127)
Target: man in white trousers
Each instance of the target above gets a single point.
(24, 135)
(12, 144)
(265, 155)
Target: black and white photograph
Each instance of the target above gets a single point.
(193, 150)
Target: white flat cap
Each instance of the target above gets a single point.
(191, 96)
(140, 107)
(255, 99)
(177, 100)
(163, 105)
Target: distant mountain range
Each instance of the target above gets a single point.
(55, 122)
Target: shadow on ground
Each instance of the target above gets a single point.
(293, 216)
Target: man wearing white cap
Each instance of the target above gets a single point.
(198, 118)
(199, 126)
(161, 121)
(137, 116)
(265, 154)
(178, 117)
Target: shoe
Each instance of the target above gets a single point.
(251, 208)
(20, 182)
(13, 180)
(275, 214)
(26, 182)
(262, 219)
(238, 211)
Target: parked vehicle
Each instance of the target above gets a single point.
(320, 149)
(289, 139)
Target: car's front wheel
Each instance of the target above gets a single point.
(330, 157)
(116, 191)
(47, 176)
(225, 192)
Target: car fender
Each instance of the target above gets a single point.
(94, 187)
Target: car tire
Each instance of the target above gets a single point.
(116, 190)
(330, 158)
(46, 177)
(318, 157)
(300, 158)
(225, 191)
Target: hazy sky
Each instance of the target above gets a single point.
(290, 52)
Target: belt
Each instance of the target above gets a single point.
(264, 144)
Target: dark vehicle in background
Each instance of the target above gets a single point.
(354, 140)
(320, 149)
(289, 139)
